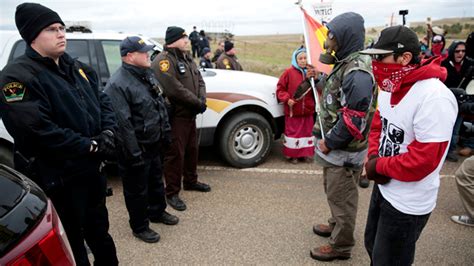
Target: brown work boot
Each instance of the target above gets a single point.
(466, 151)
(323, 230)
(327, 253)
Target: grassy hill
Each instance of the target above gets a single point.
(455, 28)
(269, 55)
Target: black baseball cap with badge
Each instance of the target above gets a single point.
(134, 44)
(395, 40)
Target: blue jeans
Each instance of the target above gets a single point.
(390, 235)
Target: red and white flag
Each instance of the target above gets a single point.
(315, 35)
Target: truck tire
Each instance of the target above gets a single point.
(245, 139)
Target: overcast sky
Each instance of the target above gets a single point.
(242, 17)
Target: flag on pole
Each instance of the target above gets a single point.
(315, 35)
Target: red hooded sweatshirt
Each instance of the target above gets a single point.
(421, 158)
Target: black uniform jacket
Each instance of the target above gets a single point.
(141, 112)
(205, 63)
(52, 112)
(182, 82)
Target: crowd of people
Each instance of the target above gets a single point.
(377, 116)
(376, 113)
(224, 56)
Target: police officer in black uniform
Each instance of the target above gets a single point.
(194, 38)
(62, 127)
(143, 135)
(205, 60)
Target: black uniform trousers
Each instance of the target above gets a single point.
(196, 50)
(81, 208)
(181, 157)
(144, 190)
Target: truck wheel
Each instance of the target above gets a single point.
(245, 140)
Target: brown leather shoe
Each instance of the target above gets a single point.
(327, 253)
(323, 230)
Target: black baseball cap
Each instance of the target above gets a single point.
(396, 39)
(134, 44)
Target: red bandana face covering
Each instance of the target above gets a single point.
(436, 48)
(389, 76)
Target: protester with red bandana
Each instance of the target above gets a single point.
(438, 43)
(408, 142)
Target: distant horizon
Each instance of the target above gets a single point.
(2, 27)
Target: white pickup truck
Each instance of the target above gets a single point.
(243, 116)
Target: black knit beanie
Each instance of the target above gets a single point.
(32, 18)
(173, 34)
(228, 45)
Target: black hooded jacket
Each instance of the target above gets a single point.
(348, 29)
(457, 79)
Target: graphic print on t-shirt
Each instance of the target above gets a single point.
(391, 138)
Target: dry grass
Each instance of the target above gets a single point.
(269, 55)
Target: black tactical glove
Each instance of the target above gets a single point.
(371, 171)
(104, 143)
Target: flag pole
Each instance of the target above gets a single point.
(311, 80)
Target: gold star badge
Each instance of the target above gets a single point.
(226, 63)
(164, 65)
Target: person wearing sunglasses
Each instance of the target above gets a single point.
(457, 66)
(460, 71)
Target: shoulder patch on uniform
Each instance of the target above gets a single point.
(164, 65)
(14, 91)
(83, 74)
